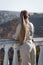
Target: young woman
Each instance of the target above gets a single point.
(28, 50)
(24, 33)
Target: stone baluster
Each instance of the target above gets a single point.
(6, 55)
(15, 57)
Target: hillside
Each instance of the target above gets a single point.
(37, 20)
(9, 20)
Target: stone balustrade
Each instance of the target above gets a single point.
(7, 44)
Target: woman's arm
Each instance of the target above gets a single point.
(32, 31)
(16, 35)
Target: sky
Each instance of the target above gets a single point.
(18, 5)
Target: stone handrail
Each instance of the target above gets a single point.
(6, 44)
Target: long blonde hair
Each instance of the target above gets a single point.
(23, 27)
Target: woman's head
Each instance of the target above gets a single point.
(25, 14)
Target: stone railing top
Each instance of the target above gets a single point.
(38, 39)
(10, 41)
